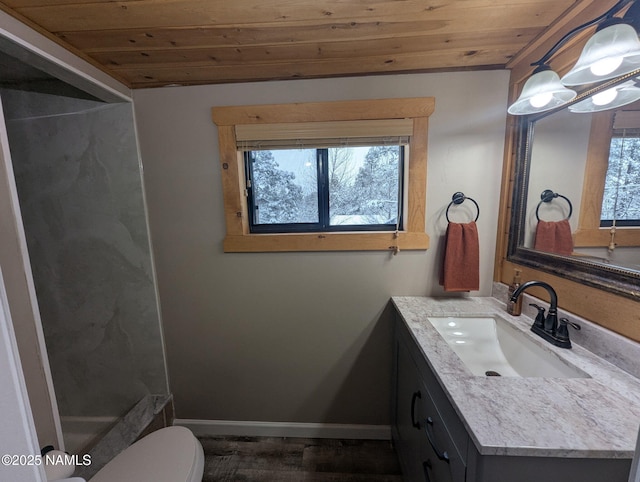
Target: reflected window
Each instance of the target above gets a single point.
(621, 200)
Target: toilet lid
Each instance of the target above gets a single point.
(170, 454)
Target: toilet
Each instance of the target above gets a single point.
(171, 454)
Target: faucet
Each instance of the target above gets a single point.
(549, 328)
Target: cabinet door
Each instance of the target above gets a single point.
(408, 436)
(443, 462)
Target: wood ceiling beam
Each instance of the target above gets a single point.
(159, 42)
(176, 13)
(154, 76)
(353, 50)
(213, 37)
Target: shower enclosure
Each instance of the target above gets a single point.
(78, 178)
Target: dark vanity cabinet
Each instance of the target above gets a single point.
(429, 449)
(433, 444)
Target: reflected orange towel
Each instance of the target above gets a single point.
(461, 270)
(554, 237)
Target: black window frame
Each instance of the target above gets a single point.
(322, 156)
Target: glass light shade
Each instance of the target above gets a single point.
(541, 92)
(611, 52)
(618, 96)
(606, 97)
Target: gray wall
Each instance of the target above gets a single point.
(299, 337)
(80, 190)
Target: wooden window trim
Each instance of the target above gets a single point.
(589, 233)
(239, 239)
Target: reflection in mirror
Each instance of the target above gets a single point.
(565, 149)
(587, 169)
(621, 199)
(558, 159)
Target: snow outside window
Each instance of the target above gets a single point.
(329, 189)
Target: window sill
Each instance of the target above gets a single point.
(601, 237)
(344, 241)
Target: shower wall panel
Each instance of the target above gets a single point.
(79, 183)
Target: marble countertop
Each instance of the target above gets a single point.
(596, 417)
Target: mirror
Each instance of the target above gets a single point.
(576, 199)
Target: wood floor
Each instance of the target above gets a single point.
(265, 459)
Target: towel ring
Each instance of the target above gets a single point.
(459, 198)
(547, 196)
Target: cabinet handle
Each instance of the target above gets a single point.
(426, 466)
(441, 455)
(414, 398)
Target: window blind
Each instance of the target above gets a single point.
(627, 119)
(323, 134)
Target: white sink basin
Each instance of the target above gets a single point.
(491, 346)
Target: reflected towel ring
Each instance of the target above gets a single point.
(547, 196)
(459, 198)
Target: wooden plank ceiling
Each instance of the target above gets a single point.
(149, 43)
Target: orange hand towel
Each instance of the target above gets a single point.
(461, 271)
(554, 237)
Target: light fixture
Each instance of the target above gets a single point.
(612, 52)
(543, 91)
(612, 98)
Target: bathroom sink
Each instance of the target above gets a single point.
(490, 346)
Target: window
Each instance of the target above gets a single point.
(611, 181)
(262, 166)
(621, 199)
(329, 189)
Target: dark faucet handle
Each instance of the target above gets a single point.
(539, 321)
(562, 333)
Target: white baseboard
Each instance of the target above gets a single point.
(285, 429)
